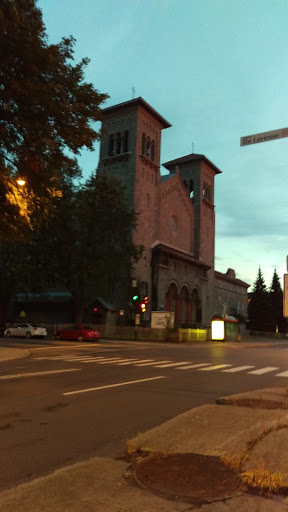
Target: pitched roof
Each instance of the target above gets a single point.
(230, 279)
(189, 158)
(138, 102)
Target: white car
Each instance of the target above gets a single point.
(25, 331)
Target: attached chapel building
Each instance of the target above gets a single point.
(176, 218)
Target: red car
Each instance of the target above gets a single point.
(77, 332)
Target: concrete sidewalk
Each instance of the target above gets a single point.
(246, 431)
(7, 353)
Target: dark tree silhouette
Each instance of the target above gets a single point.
(47, 114)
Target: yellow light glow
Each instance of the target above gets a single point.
(21, 182)
(217, 330)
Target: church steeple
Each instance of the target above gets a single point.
(198, 173)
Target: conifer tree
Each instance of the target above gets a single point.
(259, 311)
(276, 304)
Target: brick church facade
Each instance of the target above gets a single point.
(176, 218)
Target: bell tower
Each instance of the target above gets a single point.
(130, 151)
(198, 173)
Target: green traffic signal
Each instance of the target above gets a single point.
(135, 297)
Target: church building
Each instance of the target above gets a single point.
(176, 218)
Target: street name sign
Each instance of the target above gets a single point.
(264, 137)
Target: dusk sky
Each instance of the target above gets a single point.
(216, 70)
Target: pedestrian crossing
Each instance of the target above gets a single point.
(169, 364)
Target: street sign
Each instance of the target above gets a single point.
(263, 137)
(285, 296)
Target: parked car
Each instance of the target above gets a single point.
(25, 331)
(78, 333)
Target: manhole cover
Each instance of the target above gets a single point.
(193, 477)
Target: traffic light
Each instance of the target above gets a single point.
(142, 306)
(135, 297)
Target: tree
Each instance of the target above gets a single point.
(259, 313)
(47, 113)
(87, 245)
(276, 304)
(14, 274)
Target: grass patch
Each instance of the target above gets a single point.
(263, 480)
(236, 462)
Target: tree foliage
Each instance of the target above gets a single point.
(47, 112)
(265, 308)
(276, 304)
(87, 246)
(258, 307)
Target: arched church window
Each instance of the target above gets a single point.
(143, 144)
(148, 147)
(111, 145)
(118, 143)
(153, 150)
(204, 190)
(191, 189)
(125, 141)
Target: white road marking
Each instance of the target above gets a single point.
(101, 359)
(181, 363)
(263, 370)
(63, 347)
(112, 360)
(112, 385)
(37, 374)
(83, 358)
(128, 361)
(150, 363)
(238, 369)
(216, 367)
(95, 360)
(283, 374)
(193, 366)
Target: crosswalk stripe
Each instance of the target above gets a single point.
(180, 365)
(238, 369)
(282, 374)
(263, 370)
(100, 359)
(94, 360)
(152, 362)
(192, 366)
(111, 360)
(84, 358)
(126, 361)
(216, 367)
(170, 365)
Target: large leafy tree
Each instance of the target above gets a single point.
(87, 246)
(276, 304)
(259, 311)
(47, 114)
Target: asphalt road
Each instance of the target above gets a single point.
(68, 402)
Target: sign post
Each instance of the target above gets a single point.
(263, 137)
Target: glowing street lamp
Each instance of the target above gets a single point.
(21, 182)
